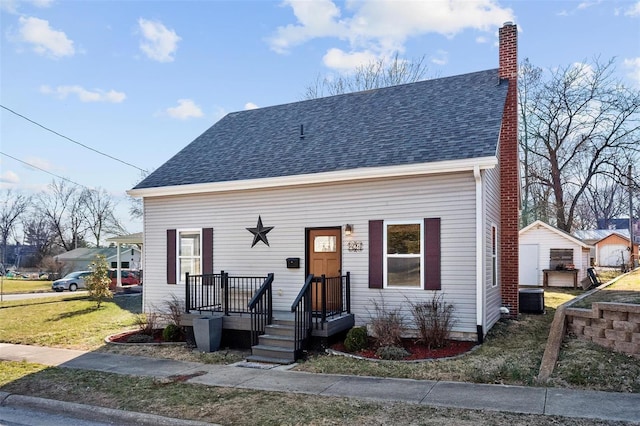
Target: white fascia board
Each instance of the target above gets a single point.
(365, 173)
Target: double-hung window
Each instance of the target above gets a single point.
(403, 254)
(189, 250)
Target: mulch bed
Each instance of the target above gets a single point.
(124, 337)
(417, 351)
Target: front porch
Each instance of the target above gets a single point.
(321, 310)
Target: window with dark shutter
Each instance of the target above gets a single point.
(432, 254)
(376, 257)
(171, 256)
(207, 251)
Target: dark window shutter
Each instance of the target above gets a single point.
(207, 250)
(376, 256)
(171, 256)
(432, 254)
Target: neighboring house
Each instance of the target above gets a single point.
(79, 259)
(402, 193)
(614, 250)
(546, 248)
(608, 245)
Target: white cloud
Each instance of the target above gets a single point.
(380, 27)
(482, 39)
(159, 43)
(45, 40)
(340, 60)
(9, 177)
(84, 95)
(40, 163)
(186, 109)
(633, 64)
(633, 10)
(12, 6)
(441, 57)
(250, 105)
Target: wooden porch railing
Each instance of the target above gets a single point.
(301, 308)
(261, 308)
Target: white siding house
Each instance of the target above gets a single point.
(538, 242)
(401, 187)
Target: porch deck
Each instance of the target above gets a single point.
(242, 322)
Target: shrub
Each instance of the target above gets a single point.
(172, 333)
(392, 352)
(356, 339)
(434, 319)
(387, 325)
(146, 323)
(98, 282)
(176, 308)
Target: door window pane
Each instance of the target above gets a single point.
(324, 244)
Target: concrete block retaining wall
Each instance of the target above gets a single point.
(612, 325)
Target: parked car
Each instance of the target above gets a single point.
(127, 278)
(71, 282)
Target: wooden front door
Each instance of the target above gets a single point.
(324, 256)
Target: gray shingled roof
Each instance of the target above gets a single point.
(449, 118)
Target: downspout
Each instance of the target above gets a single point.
(479, 256)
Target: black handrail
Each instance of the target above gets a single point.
(203, 292)
(303, 315)
(261, 308)
(331, 297)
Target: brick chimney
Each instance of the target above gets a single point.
(509, 164)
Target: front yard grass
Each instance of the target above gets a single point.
(70, 322)
(14, 286)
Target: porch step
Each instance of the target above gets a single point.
(277, 340)
(275, 353)
(280, 329)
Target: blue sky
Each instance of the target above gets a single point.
(139, 80)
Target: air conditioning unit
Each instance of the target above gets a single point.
(531, 300)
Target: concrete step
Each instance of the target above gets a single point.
(274, 352)
(277, 340)
(269, 360)
(287, 322)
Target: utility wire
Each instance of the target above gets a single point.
(43, 170)
(71, 140)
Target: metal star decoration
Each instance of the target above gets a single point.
(260, 232)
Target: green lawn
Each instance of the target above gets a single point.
(66, 322)
(12, 286)
(625, 290)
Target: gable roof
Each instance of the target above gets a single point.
(560, 232)
(440, 120)
(594, 235)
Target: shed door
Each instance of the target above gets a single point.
(529, 269)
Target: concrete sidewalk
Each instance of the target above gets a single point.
(515, 399)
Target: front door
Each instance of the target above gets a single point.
(324, 256)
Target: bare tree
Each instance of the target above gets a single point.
(39, 233)
(12, 207)
(580, 124)
(375, 74)
(63, 207)
(99, 214)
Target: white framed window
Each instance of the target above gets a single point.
(189, 253)
(494, 255)
(403, 248)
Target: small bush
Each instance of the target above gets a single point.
(147, 323)
(434, 319)
(140, 338)
(387, 325)
(98, 282)
(392, 352)
(356, 339)
(172, 333)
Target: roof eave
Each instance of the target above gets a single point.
(360, 174)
